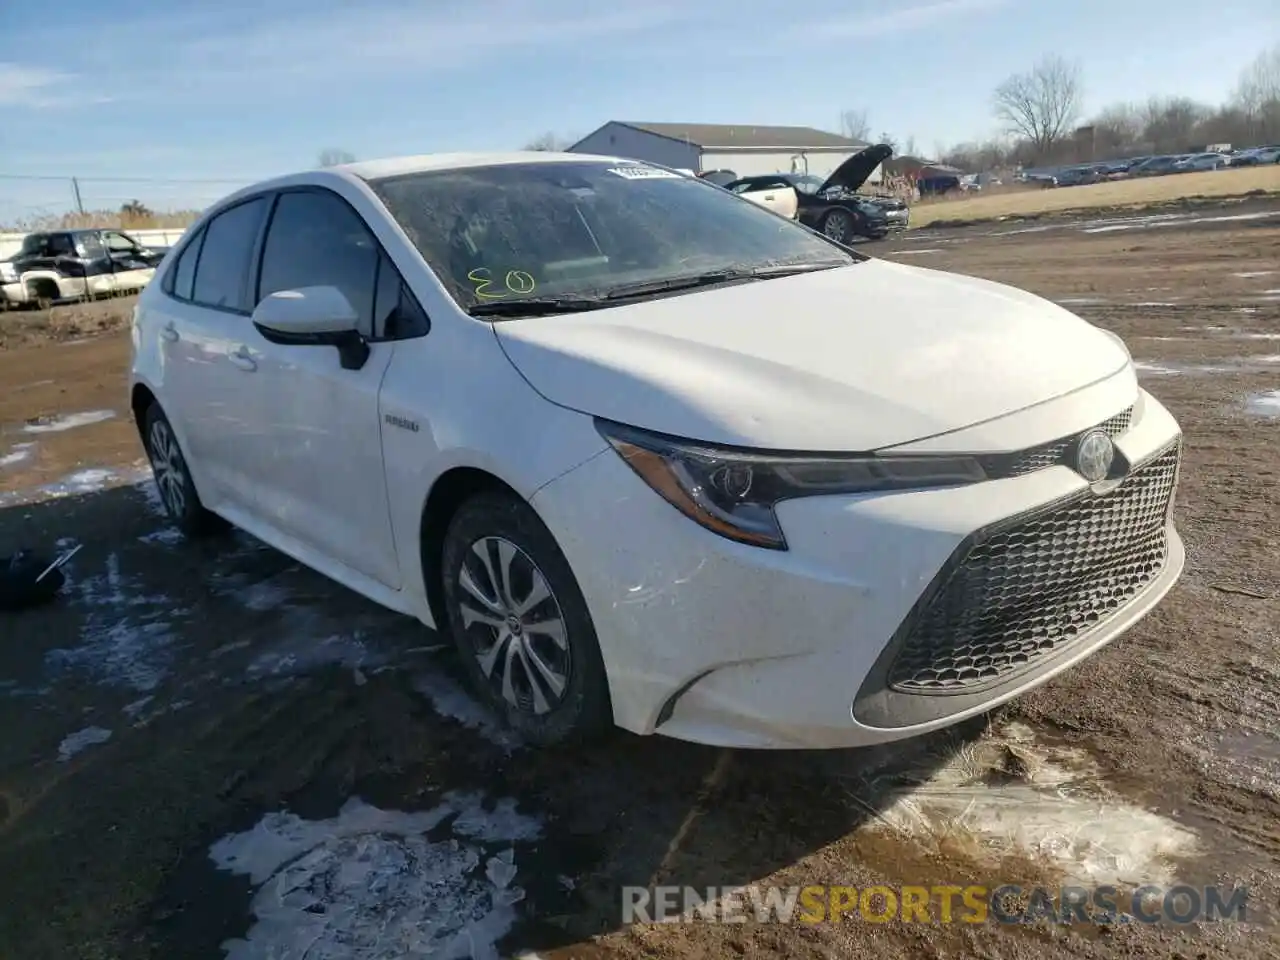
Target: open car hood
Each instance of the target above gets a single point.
(853, 173)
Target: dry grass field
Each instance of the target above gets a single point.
(1119, 194)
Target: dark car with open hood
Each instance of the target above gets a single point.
(833, 206)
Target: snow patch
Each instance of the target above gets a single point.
(369, 884)
(60, 422)
(1250, 274)
(81, 740)
(1264, 404)
(18, 453)
(450, 700)
(126, 636)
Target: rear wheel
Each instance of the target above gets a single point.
(520, 623)
(173, 477)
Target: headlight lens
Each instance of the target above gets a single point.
(8, 272)
(733, 492)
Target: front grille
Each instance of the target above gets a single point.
(1032, 587)
(1002, 465)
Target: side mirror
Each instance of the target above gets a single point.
(313, 316)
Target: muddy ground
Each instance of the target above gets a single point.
(208, 750)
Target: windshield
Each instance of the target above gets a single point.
(579, 230)
(806, 183)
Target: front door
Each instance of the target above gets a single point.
(320, 477)
(130, 267)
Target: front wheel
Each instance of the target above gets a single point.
(521, 625)
(839, 226)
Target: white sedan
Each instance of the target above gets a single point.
(651, 456)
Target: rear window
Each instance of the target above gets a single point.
(222, 271)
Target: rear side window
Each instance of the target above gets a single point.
(184, 271)
(222, 269)
(316, 239)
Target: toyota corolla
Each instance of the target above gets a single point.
(652, 456)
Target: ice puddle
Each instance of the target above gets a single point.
(1013, 795)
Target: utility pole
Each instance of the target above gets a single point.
(75, 188)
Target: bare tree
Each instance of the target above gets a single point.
(1257, 94)
(1042, 105)
(1169, 126)
(909, 146)
(333, 157)
(549, 143)
(135, 209)
(854, 125)
(1117, 129)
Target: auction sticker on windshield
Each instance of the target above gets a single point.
(643, 173)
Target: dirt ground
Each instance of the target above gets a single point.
(210, 751)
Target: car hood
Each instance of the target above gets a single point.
(853, 173)
(852, 359)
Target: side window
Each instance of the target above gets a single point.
(89, 246)
(223, 266)
(118, 242)
(316, 239)
(397, 315)
(183, 274)
(61, 245)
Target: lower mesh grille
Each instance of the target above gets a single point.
(1032, 588)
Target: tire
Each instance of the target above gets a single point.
(840, 226)
(568, 700)
(173, 478)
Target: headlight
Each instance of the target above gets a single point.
(8, 273)
(733, 492)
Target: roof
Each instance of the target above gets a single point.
(397, 166)
(746, 135)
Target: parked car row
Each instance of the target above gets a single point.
(1152, 166)
(75, 265)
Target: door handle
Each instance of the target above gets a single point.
(169, 331)
(242, 359)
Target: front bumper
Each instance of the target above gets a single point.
(726, 644)
(13, 293)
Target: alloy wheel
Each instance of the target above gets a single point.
(514, 625)
(169, 468)
(837, 227)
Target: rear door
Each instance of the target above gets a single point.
(317, 462)
(774, 193)
(210, 386)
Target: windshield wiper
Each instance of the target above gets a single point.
(536, 306)
(728, 275)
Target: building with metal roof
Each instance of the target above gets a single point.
(746, 149)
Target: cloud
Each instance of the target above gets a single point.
(22, 85)
(903, 20)
(393, 39)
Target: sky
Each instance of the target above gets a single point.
(180, 104)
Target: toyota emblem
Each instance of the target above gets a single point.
(1094, 456)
